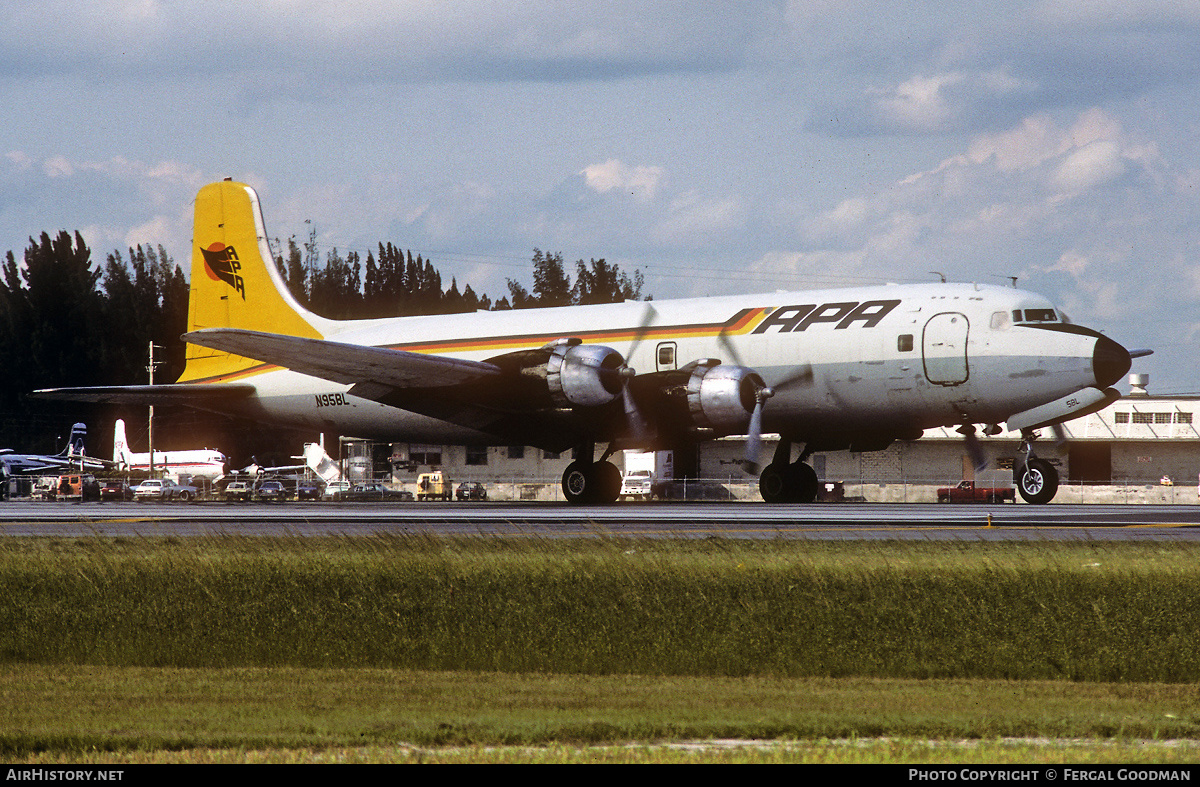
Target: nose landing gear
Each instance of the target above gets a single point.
(1036, 479)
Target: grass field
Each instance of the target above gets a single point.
(416, 648)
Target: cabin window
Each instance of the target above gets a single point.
(665, 357)
(904, 343)
(516, 452)
(999, 320)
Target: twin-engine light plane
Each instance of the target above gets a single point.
(830, 369)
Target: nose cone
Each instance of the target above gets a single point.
(1110, 361)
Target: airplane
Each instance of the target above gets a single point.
(71, 457)
(197, 463)
(838, 369)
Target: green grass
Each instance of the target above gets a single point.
(107, 714)
(1012, 611)
(392, 645)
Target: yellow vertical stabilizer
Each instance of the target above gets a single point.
(235, 283)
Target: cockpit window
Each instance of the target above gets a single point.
(1035, 315)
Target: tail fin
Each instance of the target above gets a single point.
(235, 283)
(77, 442)
(121, 453)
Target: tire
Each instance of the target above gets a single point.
(1037, 482)
(794, 483)
(593, 483)
(185, 496)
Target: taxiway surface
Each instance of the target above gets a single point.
(849, 521)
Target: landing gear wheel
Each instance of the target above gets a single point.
(1037, 482)
(591, 482)
(794, 483)
(575, 482)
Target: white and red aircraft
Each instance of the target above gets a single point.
(827, 369)
(195, 462)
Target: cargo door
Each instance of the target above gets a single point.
(944, 345)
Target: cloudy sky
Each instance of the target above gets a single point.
(718, 147)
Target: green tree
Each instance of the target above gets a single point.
(605, 283)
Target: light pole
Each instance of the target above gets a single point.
(150, 423)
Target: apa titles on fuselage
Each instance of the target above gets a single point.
(331, 399)
(787, 319)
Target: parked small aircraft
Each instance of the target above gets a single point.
(854, 368)
(196, 462)
(73, 456)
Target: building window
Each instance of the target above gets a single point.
(420, 457)
(1162, 418)
(904, 343)
(1143, 418)
(1120, 418)
(516, 452)
(477, 455)
(1183, 418)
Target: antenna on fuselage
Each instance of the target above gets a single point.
(1012, 279)
(940, 275)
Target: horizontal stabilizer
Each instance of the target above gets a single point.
(344, 363)
(180, 393)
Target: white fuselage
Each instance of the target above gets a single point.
(897, 358)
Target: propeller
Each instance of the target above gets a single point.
(800, 376)
(754, 434)
(638, 428)
(974, 449)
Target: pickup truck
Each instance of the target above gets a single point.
(163, 489)
(967, 492)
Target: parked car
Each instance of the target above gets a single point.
(335, 489)
(116, 489)
(471, 490)
(272, 492)
(967, 492)
(241, 491)
(308, 490)
(375, 491)
(163, 489)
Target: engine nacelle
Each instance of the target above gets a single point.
(583, 375)
(722, 397)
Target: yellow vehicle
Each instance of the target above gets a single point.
(434, 486)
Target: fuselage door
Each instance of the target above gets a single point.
(944, 345)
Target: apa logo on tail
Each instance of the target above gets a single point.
(222, 264)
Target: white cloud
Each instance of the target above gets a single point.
(641, 182)
(1089, 166)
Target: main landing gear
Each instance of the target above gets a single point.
(597, 483)
(1036, 479)
(784, 481)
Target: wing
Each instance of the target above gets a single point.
(188, 394)
(492, 397)
(375, 372)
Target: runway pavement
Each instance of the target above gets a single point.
(846, 521)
